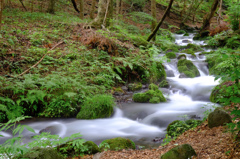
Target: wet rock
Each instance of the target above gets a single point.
(182, 56)
(170, 73)
(182, 75)
(171, 55)
(184, 151)
(188, 68)
(164, 84)
(218, 117)
(92, 148)
(186, 41)
(124, 88)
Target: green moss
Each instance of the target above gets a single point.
(218, 117)
(154, 100)
(173, 48)
(41, 153)
(153, 86)
(92, 147)
(188, 51)
(188, 68)
(99, 106)
(180, 32)
(180, 152)
(207, 53)
(186, 34)
(194, 47)
(171, 55)
(153, 92)
(138, 41)
(118, 143)
(134, 86)
(182, 56)
(164, 84)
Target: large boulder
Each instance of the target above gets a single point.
(188, 68)
(118, 143)
(92, 148)
(153, 95)
(218, 117)
(42, 153)
(171, 55)
(99, 106)
(184, 151)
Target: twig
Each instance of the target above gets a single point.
(40, 59)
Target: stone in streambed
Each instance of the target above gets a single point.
(218, 117)
(184, 151)
(134, 86)
(188, 68)
(118, 143)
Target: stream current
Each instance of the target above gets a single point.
(142, 122)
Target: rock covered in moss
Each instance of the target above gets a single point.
(194, 47)
(171, 55)
(138, 41)
(118, 143)
(186, 34)
(182, 56)
(184, 151)
(98, 106)
(180, 32)
(134, 86)
(150, 96)
(92, 148)
(42, 153)
(188, 68)
(218, 117)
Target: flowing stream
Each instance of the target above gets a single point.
(144, 123)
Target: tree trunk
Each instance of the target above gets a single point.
(104, 14)
(81, 9)
(161, 21)
(75, 6)
(51, 5)
(1, 10)
(117, 8)
(153, 11)
(92, 9)
(206, 21)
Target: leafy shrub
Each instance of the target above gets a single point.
(99, 106)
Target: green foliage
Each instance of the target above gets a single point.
(98, 106)
(171, 55)
(234, 13)
(178, 127)
(180, 32)
(141, 17)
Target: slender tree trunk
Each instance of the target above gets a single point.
(153, 11)
(32, 6)
(21, 1)
(51, 5)
(104, 14)
(92, 9)
(1, 10)
(117, 8)
(219, 13)
(81, 9)
(206, 21)
(161, 21)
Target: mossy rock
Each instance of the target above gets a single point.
(92, 147)
(207, 53)
(184, 151)
(172, 49)
(164, 84)
(182, 56)
(98, 106)
(154, 100)
(180, 32)
(188, 68)
(189, 51)
(218, 117)
(194, 47)
(134, 86)
(118, 143)
(138, 41)
(41, 153)
(145, 97)
(171, 55)
(186, 34)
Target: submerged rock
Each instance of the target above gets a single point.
(184, 151)
(118, 143)
(218, 117)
